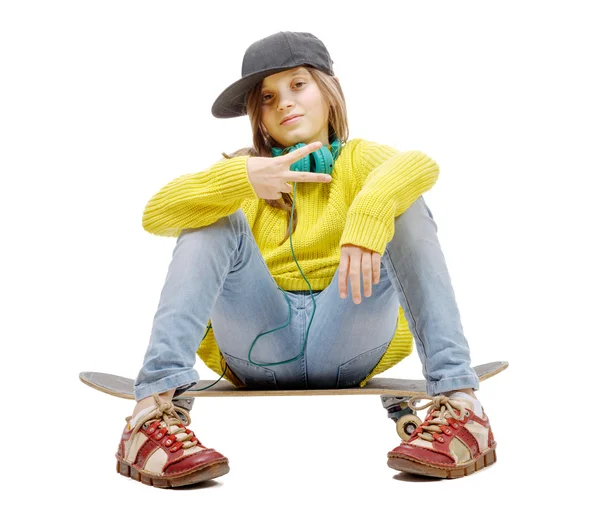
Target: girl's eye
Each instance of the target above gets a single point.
(265, 99)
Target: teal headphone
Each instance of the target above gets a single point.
(319, 161)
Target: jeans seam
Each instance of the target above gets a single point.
(303, 331)
(408, 309)
(236, 248)
(145, 386)
(469, 379)
(243, 233)
(257, 368)
(254, 246)
(364, 354)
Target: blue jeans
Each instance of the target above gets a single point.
(218, 273)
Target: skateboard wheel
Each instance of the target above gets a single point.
(406, 425)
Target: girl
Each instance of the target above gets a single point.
(357, 215)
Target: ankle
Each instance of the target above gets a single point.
(468, 391)
(150, 402)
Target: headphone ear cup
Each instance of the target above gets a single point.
(323, 161)
(303, 164)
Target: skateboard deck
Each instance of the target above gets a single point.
(393, 387)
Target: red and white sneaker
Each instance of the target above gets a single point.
(452, 441)
(160, 451)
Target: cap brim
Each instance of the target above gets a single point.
(232, 101)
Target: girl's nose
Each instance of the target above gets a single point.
(284, 102)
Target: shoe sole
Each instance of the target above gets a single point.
(411, 466)
(209, 472)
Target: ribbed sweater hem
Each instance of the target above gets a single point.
(287, 284)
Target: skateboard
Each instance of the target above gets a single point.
(395, 393)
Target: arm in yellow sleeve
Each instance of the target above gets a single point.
(199, 199)
(390, 182)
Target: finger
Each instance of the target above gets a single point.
(355, 277)
(376, 260)
(343, 276)
(306, 176)
(367, 276)
(296, 155)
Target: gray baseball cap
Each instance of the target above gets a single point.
(273, 54)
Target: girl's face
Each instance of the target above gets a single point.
(294, 92)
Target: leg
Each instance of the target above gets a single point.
(418, 272)
(213, 268)
(345, 340)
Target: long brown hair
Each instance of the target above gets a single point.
(338, 127)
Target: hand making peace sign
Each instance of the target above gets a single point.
(269, 175)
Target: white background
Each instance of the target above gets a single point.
(103, 103)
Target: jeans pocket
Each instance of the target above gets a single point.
(253, 376)
(354, 371)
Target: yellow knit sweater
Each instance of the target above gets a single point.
(372, 184)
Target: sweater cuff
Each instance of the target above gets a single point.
(232, 179)
(367, 232)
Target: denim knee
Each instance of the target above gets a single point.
(414, 224)
(238, 220)
(236, 223)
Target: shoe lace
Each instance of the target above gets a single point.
(165, 412)
(442, 409)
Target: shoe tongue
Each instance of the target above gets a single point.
(462, 399)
